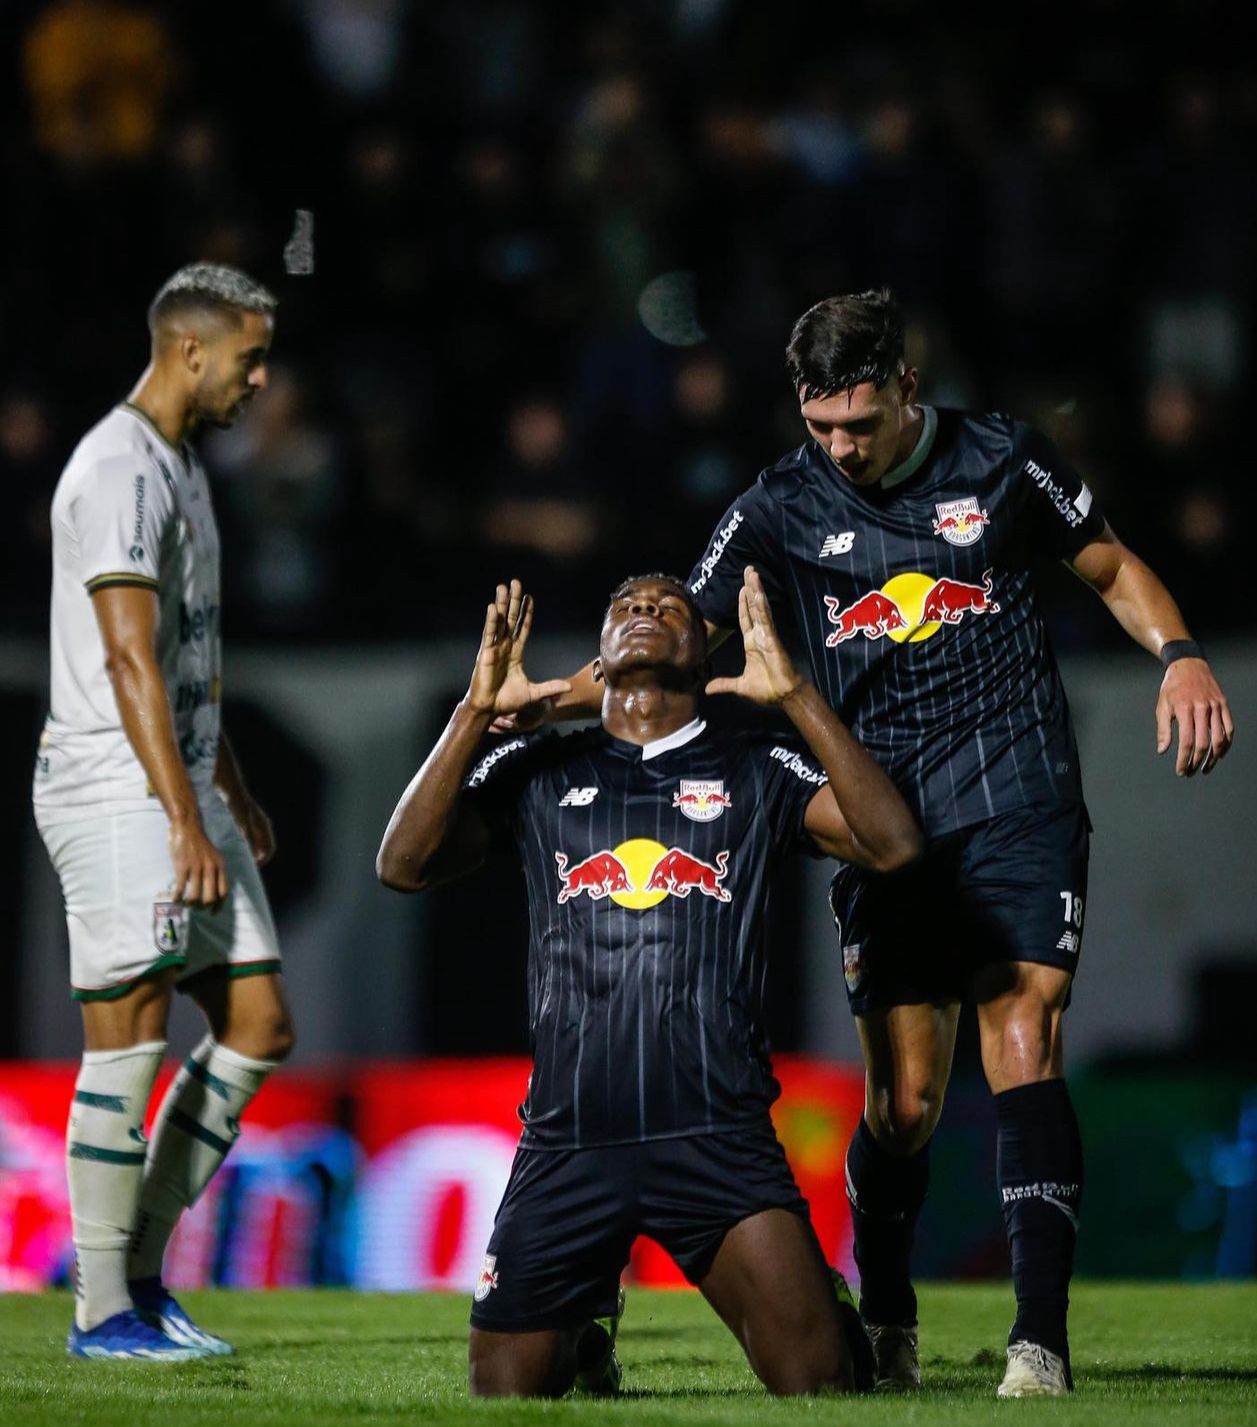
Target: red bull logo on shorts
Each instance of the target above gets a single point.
(641, 873)
(908, 608)
(488, 1279)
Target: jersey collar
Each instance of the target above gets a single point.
(148, 425)
(920, 452)
(677, 739)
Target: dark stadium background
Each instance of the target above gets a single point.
(558, 248)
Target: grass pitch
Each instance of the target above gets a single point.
(1147, 1354)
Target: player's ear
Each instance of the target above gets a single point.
(596, 671)
(908, 382)
(192, 350)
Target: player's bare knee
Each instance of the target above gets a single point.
(268, 1035)
(810, 1368)
(1025, 1048)
(281, 1040)
(903, 1123)
(511, 1365)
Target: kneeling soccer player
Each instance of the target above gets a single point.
(649, 846)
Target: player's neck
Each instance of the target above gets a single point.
(910, 436)
(642, 714)
(167, 411)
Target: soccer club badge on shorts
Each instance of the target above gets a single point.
(701, 799)
(853, 965)
(488, 1279)
(170, 927)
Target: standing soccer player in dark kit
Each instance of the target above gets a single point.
(649, 847)
(902, 537)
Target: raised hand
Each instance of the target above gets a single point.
(499, 685)
(1190, 697)
(770, 676)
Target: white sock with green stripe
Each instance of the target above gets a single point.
(197, 1124)
(105, 1155)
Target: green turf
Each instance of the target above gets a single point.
(1142, 1353)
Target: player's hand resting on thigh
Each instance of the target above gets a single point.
(499, 684)
(200, 871)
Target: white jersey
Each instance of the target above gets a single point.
(129, 510)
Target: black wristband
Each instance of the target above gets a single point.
(1174, 649)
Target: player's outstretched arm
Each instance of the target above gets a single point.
(127, 618)
(859, 816)
(433, 835)
(1190, 695)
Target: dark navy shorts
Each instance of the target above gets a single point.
(569, 1217)
(1011, 889)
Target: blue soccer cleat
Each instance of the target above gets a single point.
(157, 1306)
(126, 1337)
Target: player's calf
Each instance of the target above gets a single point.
(105, 1156)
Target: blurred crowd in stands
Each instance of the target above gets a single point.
(558, 250)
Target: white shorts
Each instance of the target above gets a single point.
(116, 877)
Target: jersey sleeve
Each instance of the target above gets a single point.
(738, 541)
(120, 519)
(1065, 516)
(790, 778)
(499, 781)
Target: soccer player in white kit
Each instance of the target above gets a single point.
(147, 819)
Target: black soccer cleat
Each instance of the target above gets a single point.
(863, 1368)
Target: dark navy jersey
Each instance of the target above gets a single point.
(915, 602)
(648, 872)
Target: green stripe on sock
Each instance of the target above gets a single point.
(78, 1150)
(189, 1126)
(211, 1082)
(116, 1103)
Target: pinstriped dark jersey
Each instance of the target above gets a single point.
(916, 605)
(648, 875)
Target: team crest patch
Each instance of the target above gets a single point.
(170, 926)
(960, 522)
(702, 800)
(488, 1279)
(852, 965)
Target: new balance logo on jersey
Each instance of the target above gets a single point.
(578, 797)
(1069, 942)
(838, 544)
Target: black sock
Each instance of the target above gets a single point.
(1040, 1179)
(886, 1193)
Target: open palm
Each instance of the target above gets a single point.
(770, 675)
(499, 684)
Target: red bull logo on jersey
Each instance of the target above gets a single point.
(702, 800)
(641, 873)
(597, 876)
(960, 522)
(908, 608)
